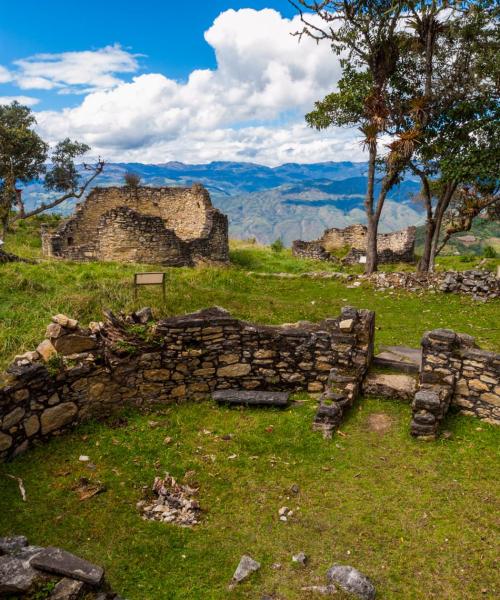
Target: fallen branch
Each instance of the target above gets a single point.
(21, 486)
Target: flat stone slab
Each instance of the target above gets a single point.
(398, 386)
(60, 562)
(251, 398)
(401, 358)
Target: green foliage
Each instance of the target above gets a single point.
(63, 176)
(489, 252)
(55, 364)
(277, 246)
(345, 107)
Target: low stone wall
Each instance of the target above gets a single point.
(455, 372)
(77, 374)
(478, 283)
(311, 250)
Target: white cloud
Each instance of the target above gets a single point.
(75, 72)
(250, 107)
(5, 75)
(26, 100)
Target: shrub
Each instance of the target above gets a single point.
(131, 179)
(489, 252)
(466, 258)
(277, 245)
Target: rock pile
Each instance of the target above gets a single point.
(480, 284)
(26, 571)
(173, 503)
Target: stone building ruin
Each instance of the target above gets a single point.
(395, 247)
(171, 226)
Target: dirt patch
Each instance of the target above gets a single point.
(379, 422)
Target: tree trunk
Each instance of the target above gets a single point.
(371, 246)
(425, 261)
(441, 208)
(371, 241)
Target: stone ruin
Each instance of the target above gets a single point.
(82, 373)
(170, 226)
(395, 247)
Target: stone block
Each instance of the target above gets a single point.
(46, 350)
(234, 370)
(58, 416)
(31, 425)
(257, 398)
(12, 418)
(74, 343)
(60, 562)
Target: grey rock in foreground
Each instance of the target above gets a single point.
(246, 567)
(9, 545)
(16, 575)
(351, 580)
(67, 589)
(60, 562)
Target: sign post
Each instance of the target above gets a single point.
(149, 279)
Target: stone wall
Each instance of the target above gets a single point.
(455, 372)
(398, 246)
(76, 373)
(171, 226)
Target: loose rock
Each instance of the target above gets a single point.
(351, 580)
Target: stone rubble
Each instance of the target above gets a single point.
(478, 283)
(174, 503)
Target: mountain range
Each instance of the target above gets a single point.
(291, 201)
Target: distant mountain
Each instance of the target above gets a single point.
(292, 201)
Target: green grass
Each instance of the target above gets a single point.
(416, 517)
(31, 293)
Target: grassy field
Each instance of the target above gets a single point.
(419, 518)
(416, 517)
(31, 293)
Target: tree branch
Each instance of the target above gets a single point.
(76, 193)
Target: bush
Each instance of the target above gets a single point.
(277, 245)
(131, 179)
(489, 252)
(465, 258)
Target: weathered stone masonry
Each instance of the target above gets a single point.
(391, 247)
(163, 225)
(93, 372)
(455, 372)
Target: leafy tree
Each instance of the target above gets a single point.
(388, 84)
(23, 158)
(458, 158)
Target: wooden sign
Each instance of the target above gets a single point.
(149, 279)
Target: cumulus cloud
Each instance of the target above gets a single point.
(250, 107)
(75, 72)
(5, 75)
(26, 100)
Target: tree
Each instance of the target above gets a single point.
(458, 157)
(23, 158)
(387, 83)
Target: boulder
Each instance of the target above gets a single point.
(16, 576)
(351, 581)
(67, 589)
(46, 350)
(60, 562)
(5, 441)
(65, 321)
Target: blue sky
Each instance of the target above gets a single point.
(156, 81)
